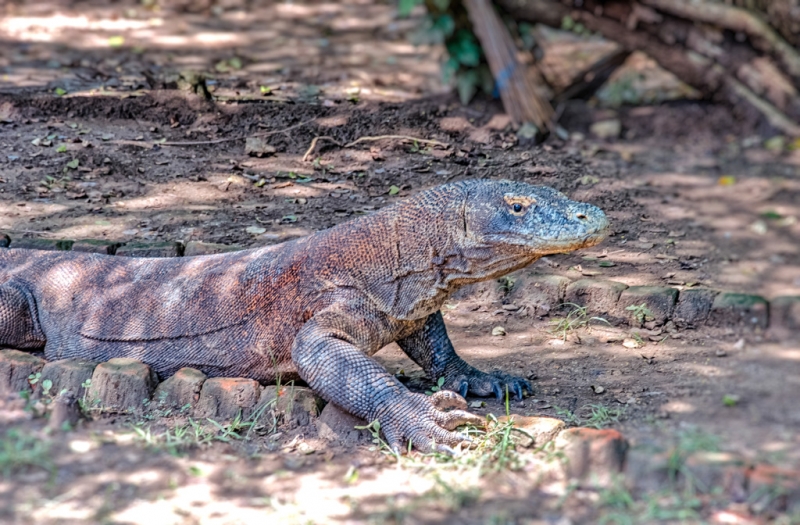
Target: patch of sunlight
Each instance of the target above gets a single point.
(205, 39)
(82, 446)
(674, 180)
(150, 202)
(27, 210)
(42, 28)
(680, 407)
(790, 354)
(299, 11)
(708, 370)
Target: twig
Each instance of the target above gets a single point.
(214, 141)
(397, 137)
(313, 145)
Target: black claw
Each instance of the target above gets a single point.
(463, 389)
(528, 387)
(518, 390)
(498, 391)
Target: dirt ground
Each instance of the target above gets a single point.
(98, 141)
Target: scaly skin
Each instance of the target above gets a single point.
(315, 308)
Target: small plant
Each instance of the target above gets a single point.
(379, 444)
(567, 416)
(506, 284)
(689, 443)
(435, 388)
(578, 317)
(602, 416)
(599, 416)
(19, 450)
(641, 313)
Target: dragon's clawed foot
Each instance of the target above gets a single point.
(482, 384)
(427, 422)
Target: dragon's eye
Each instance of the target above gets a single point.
(517, 207)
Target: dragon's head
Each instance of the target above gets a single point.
(537, 220)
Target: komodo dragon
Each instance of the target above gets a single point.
(316, 307)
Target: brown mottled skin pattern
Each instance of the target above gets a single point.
(316, 307)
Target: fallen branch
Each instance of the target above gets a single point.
(313, 145)
(773, 115)
(734, 19)
(517, 82)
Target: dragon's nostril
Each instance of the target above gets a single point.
(581, 216)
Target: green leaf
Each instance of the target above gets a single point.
(73, 164)
(265, 90)
(465, 48)
(771, 215)
(61, 91)
(444, 24)
(61, 148)
(235, 63)
(441, 5)
(116, 41)
(404, 7)
(394, 190)
(467, 85)
(449, 70)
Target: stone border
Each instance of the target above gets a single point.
(542, 294)
(128, 386)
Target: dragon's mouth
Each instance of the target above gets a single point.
(569, 245)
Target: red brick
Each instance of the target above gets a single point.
(336, 425)
(121, 385)
(223, 398)
(180, 390)
(15, 367)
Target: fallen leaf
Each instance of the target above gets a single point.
(760, 227)
(61, 148)
(597, 389)
(498, 331)
(73, 164)
(116, 41)
(477, 404)
(394, 190)
(730, 400)
(726, 180)
(255, 230)
(632, 343)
